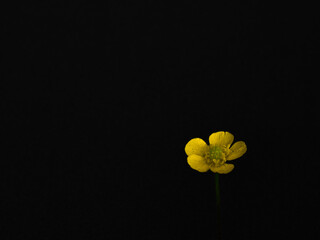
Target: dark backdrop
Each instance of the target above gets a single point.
(99, 100)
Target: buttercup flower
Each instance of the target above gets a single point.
(202, 157)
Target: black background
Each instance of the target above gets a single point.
(99, 100)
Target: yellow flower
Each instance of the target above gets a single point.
(202, 157)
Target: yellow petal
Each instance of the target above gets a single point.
(198, 163)
(196, 146)
(237, 150)
(221, 139)
(225, 168)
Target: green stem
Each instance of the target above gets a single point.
(218, 204)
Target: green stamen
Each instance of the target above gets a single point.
(215, 156)
(215, 152)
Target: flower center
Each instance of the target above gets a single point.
(215, 156)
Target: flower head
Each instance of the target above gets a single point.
(214, 156)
